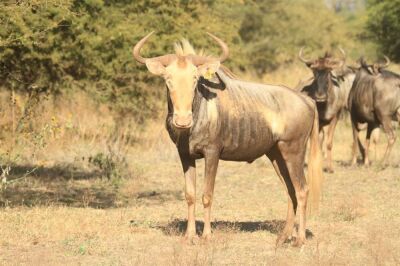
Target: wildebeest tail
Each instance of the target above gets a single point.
(315, 175)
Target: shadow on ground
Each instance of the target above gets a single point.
(54, 173)
(347, 163)
(32, 185)
(102, 196)
(68, 185)
(374, 164)
(59, 195)
(151, 197)
(177, 227)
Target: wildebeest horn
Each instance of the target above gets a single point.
(165, 59)
(386, 64)
(138, 46)
(200, 60)
(338, 63)
(224, 47)
(302, 59)
(343, 61)
(343, 53)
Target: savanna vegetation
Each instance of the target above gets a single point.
(64, 46)
(89, 176)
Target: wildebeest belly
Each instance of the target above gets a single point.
(363, 110)
(245, 138)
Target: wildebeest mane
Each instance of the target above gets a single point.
(184, 47)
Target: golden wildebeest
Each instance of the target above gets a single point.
(329, 88)
(229, 119)
(374, 99)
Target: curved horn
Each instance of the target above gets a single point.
(302, 59)
(343, 60)
(387, 62)
(138, 47)
(200, 60)
(223, 45)
(164, 59)
(343, 53)
(338, 63)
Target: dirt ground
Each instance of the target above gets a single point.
(60, 215)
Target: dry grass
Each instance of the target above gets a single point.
(69, 212)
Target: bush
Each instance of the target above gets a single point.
(384, 26)
(62, 46)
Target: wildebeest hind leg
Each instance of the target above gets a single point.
(293, 153)
(370, 128)
(356, 143)
(211, 157)
(281, 170)
(391, 136)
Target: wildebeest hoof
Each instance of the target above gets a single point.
(353, 166)
(206, 236)
(298, 242)
(282, 238)
(329, 170)
(383, 166)
(191, 239)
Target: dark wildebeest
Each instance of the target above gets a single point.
(374, 99)
(329, 88)
(229, 119)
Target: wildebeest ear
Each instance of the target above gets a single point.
(155, 67)
(208, 68)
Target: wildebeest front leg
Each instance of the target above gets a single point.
(211, 158)
(189, 169)
(323, 132)
(329, 141)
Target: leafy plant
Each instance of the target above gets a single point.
(113, 165)
(384, 26)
